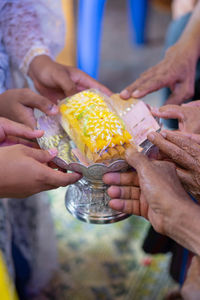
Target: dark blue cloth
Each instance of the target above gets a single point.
(22, 272)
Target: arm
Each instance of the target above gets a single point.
(31, 46)
(177, 69)
(162, 199)
(21, 33)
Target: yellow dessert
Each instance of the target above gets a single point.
(98, 132)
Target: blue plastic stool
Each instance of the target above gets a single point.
(90, 18)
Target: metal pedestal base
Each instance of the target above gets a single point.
(88, 201)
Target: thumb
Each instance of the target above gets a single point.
(177, 97)
(136, 159)
(65, 82)
(43, 156)
(8, 127)
(37, 101)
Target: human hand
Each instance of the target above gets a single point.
(15, 133)
(176, 71)
(187, 115)
(24, 172)
(125, 186)
(190, 289)
(18, 104)
(56, 81)
(184, 151)
(160, 192)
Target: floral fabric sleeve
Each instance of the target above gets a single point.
(23, 32)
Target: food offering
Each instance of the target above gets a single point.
(91, 134)
(102, 128)
(96, 129)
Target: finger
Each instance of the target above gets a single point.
(84, 80)
(41, 156)
(175, 99)
(34, 100)
(8, 127)
(183, 142)
(192, 136)
(137, 160)
(181, 92)
(13, 140)
(134, 88)
(126, 206)
(124, 192)
(57, 178)
(185, 177)
(178, 155)
(168, 112)
(192, 103)
(65, 82)
(128, 178)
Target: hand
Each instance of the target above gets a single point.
(161, 192)
(56, 81)
(190, 289)
(187, 115)
(185, 153)
(126, 186)
(12, 133)
(18, 104)
(176, 71)
(24, 172)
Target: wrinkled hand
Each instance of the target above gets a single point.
(191, 286)
(56, 81)
(176, 71)
(126, 186)
(18, 105)
(161, 191)
(185, 153)
(187, 115)
(24, 172)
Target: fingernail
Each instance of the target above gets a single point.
(112, 178)
(114, 192)
(163, 133)
(38, 132)
(53, 152)
(155, 109)
(151, 136)
(53, 109)
(116, 204)
(136, 93)
(125, 94)
(78, 176)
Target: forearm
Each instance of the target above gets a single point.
(191, 35)
(24, 41)
(185, 228)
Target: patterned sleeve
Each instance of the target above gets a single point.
(23, 32)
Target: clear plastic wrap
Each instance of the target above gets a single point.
(103, 127)
(136, 117)
(96, 129)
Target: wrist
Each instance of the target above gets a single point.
(183, 225)
(38, 63)
(33, 52)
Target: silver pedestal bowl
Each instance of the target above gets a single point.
(87, 199)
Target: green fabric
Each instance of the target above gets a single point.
(105, 261)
